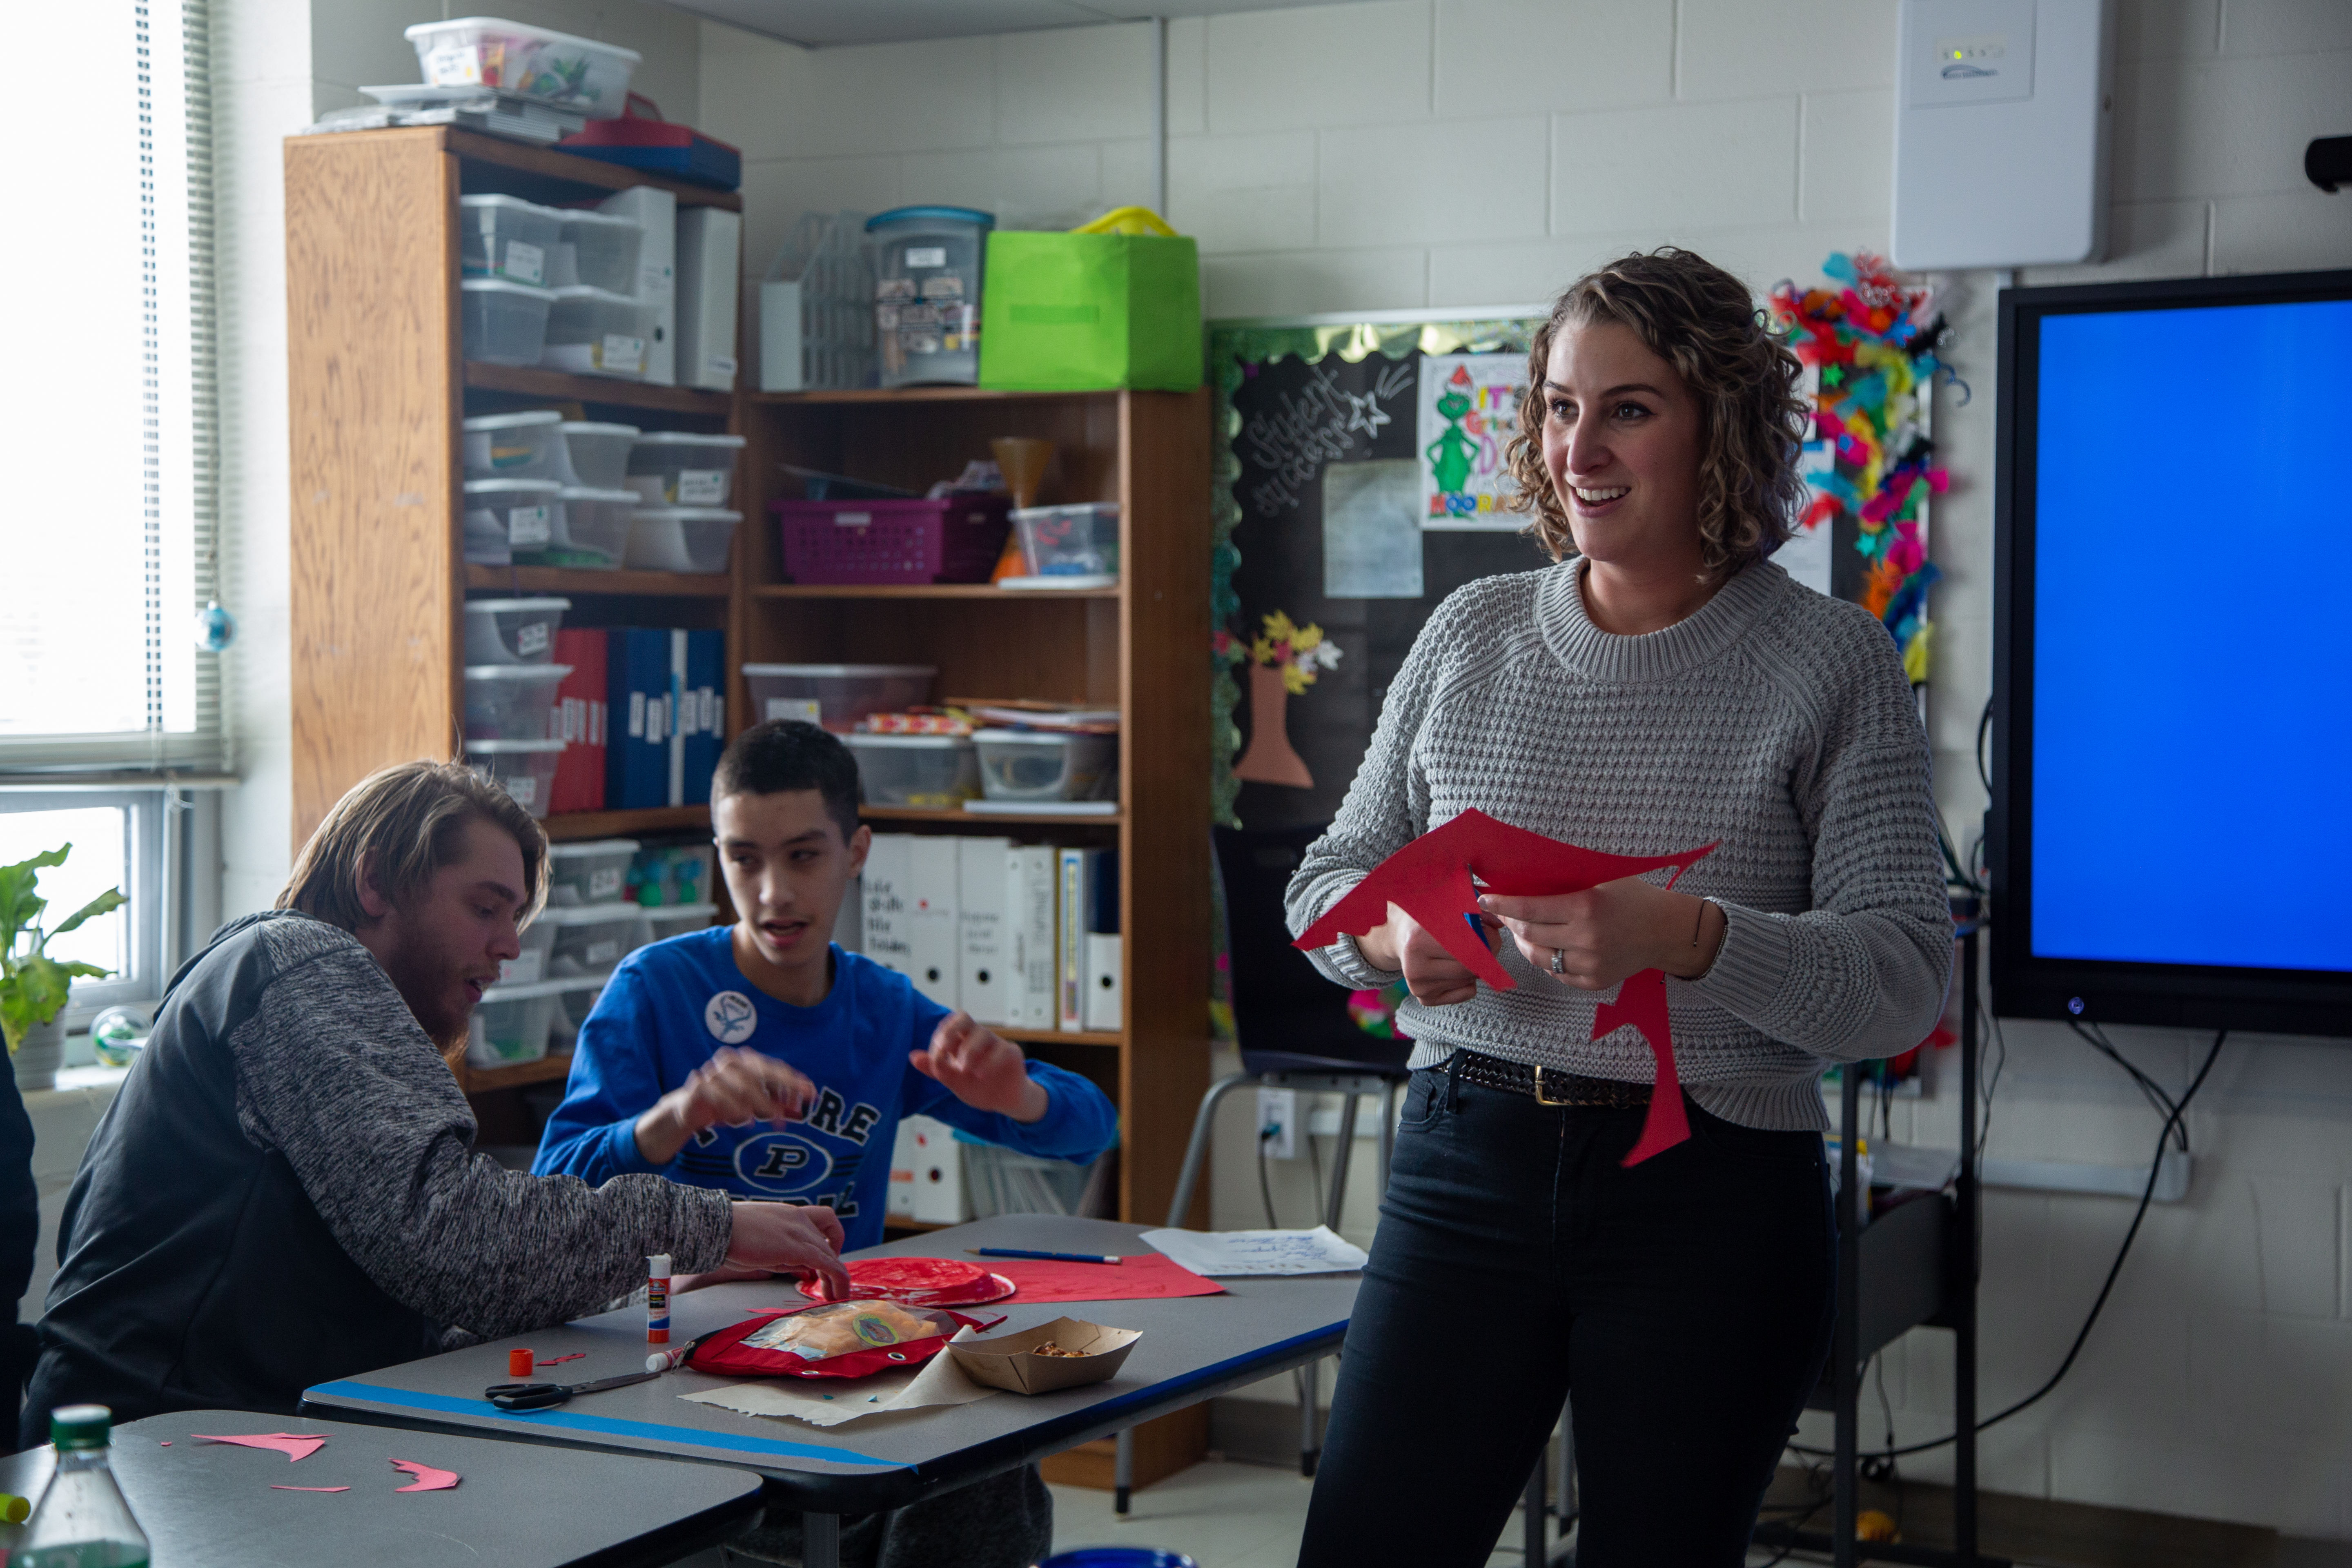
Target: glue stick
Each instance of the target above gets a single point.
(657, 1299)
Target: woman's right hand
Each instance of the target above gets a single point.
(1434, 976)
(790, 1238)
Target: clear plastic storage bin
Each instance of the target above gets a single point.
(528, 445)
(573, 1005)
(594, 331)
(1037, 764)
(591, 938)
(836, 695)
(605, 249)
(510, 1026)
(510, 702)
(513, 631)
(679, 920)
(681, 538)
(583, 75)
(673, 874)
(592, 873)
(524, 769)
(1080, 541)
(510, 515)
(538, 939)
(592, 531)
(505, 237)
(937, 771)
(504, 323)
(598, 454)
(926, 281)
(677, 468)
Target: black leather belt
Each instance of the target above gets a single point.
(1547, 1086)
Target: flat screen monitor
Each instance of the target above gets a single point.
(2171, 838)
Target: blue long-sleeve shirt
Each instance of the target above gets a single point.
(670, 1006)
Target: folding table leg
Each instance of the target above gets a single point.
(1531, 1516)
(820, 1541)
(1122, 1472)
(1309, 1450)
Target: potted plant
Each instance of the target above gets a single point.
(33, 985)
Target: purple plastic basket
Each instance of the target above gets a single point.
(956, 540)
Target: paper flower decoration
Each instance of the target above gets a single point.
(1286, 659)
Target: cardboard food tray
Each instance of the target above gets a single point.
(1004, 1361)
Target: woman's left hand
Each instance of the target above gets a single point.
(1605, 934)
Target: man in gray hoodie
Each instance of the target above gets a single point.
(285, 1191)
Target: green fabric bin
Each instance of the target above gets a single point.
(1073, 313)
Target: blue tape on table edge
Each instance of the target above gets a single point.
(694, 1436)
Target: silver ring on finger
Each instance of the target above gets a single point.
(1559, 960)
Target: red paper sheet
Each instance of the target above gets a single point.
(292, 1444)
(276, 1487)
(1431, 879)
(428, 1479)
(1144, 1276)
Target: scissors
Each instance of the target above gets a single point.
(547, 1395)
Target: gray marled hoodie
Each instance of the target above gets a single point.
(285, 1192)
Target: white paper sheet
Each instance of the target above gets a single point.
(1228, 1252)
(937, 1381)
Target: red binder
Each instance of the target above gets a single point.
(579, 719)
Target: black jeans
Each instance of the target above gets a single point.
(1684, 1304)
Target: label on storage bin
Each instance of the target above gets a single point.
(701, 487)
(852, 519)
(523, 969)
(803, 709)
(622, 354)
(606, 883)
(530, 525)
(523, 787)
(596, 954)
(927, 256)
(949, 286)
(894, 288)
(921, 341)
(531, 636)
(525, 263)
(721, 364)
(453, 65)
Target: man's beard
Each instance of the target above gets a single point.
(422, 991)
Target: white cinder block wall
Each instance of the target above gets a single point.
(1458, 153)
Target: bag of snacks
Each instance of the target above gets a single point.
(837, 1339)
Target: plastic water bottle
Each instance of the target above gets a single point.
(82, 1521)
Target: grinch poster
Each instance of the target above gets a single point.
(1469, 409)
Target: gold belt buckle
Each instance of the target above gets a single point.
(1543, 1099)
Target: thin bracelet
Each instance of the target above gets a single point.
(1699, 925)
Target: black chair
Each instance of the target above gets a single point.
(1295, 1032)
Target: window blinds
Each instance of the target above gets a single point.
(109, 414)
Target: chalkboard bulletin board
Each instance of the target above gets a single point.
(1354, 486)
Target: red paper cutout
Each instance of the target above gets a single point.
(558, 1361)
(921, 1282)
(428, 1479)
(1142, 1276)
(294, 1446)
(1431, 879)
(276, 1487)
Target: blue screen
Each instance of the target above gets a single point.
(2192, 671)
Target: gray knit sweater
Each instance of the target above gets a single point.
(1776, 720)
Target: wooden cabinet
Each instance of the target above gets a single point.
(378, 385)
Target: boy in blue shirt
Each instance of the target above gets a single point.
(764, 1060)
(761, 1060)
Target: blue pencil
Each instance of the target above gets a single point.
(1049, 1256)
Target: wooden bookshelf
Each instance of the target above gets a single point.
(573, 583)
(485, 1081)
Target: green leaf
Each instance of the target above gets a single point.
(20, 905)
(106, 903)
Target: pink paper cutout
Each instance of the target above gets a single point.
(428, 1479)
(165, 1443)
(1431, 879)
(276, 1487)
(294, 1446)
(558, 1361)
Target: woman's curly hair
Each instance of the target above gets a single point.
(1703, 322)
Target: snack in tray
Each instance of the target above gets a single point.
(823, 1332)
(1050, 1348)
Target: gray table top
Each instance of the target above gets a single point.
(209, 1505)
(1191, 1348)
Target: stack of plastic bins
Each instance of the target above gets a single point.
(525, 769)
(591, 532)
(590, 939)
(510, 1026)
(682, 538)
(594, 332)
(596, 872)
(678, 467)
(505, 237)
(503, 516)
(538, 939)
(513, 631)
(597, 456)
(503, 322)
(511, 701)
(526, 445)
(836, 695)
(679, 920)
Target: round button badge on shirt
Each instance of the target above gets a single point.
(730, 1017)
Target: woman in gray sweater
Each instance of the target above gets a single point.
(1662, 686)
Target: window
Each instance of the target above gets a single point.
(107, 402)
(118, 842)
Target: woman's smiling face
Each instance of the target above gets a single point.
(1621, 439)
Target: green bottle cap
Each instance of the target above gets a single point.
(81, 1426)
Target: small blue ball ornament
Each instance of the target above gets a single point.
(118, 1034)
(215, 628)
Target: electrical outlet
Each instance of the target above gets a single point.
(1277, 1123)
